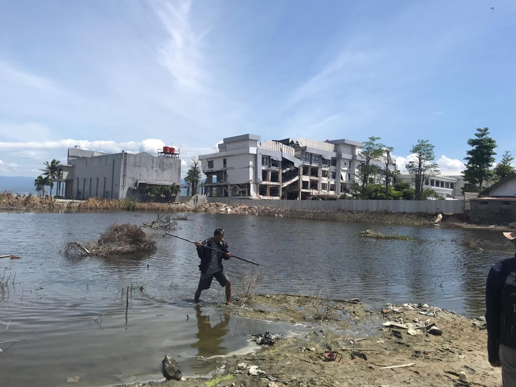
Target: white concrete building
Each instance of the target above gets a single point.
(445, 186)
(246, 167)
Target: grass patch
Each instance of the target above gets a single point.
(213, 382)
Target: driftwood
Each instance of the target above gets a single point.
(165, 222)
(398, 366)
(12, 256)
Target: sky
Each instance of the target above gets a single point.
(136, 75)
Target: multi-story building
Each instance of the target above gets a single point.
(448, 187)
(246, 167)
(118, 175)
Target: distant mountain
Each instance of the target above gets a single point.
(17, 184)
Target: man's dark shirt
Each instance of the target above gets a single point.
(494, 290)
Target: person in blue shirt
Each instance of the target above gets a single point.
(212, 251)
(501, 316)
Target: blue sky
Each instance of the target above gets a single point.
(136, 75)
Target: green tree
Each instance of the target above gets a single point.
(193, 176)
(504, 167)
(51, 171)
(387, 172)
(377, 192)
(371, 151)
(407, 192)
(479, 160)
(40, 183)
(423, 166)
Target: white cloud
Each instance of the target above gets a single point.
(151, 145)
(27, 158)
(450, 166)
(20, 78)
(181, 55)
(348, 65)
(446, 165)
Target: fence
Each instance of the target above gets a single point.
(408, 206)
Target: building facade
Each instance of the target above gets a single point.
(446, 187)
(246, 167)
(122, 175)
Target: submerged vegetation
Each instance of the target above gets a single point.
(379, 235)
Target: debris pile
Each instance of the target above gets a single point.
(266, 339)
(117, 239)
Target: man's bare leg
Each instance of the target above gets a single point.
(228, 293)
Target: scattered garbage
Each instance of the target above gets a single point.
(332, 356)
(266, 339)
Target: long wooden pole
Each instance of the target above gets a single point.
(232, 256)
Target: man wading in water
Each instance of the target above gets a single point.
(212, 251)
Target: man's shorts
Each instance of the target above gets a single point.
(205, 282)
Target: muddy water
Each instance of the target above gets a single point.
(69, 317)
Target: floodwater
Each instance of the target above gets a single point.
(63, 317)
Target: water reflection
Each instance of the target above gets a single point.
(210, 338)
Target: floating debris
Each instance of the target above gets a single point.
(117, 239)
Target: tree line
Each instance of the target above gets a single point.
(478, 173)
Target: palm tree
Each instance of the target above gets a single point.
(40, 182)
(50, 171)
(193, 176)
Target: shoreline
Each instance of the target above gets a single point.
(407, 344)
(30, 203)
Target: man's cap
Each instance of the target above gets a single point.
(219, 231)
(510, 235)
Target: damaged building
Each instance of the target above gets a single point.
(89, 174)
(291, 169)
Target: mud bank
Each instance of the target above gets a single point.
(398, 345)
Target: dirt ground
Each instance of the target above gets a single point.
(400, 345)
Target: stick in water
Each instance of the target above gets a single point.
(232, 256)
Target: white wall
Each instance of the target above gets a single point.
(507, 189)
